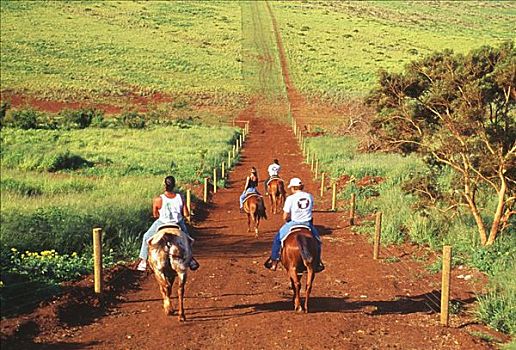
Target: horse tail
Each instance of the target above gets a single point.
(281, 188)
(302, 243)
(261, 212)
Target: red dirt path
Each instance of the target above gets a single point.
(233, 302)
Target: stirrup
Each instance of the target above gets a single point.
(271, 264)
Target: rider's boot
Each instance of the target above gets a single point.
(194, 265)
(271, 264)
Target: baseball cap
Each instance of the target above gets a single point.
(295, 181)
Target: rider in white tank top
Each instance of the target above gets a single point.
(171, 209)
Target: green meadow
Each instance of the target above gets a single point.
(99, 49)
(335, 48)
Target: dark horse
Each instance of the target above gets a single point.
(299, 254)
(254, 207)
(277, 193)
(169, 255)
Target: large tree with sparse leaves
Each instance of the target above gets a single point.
(457, 110)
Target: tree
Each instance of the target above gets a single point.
(457, 110)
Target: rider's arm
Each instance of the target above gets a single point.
(246, 183)
(186, 213)
(156, 206)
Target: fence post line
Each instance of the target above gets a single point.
(97, 259)
(377, 233)
(241, 140)
(307, 155)
(222, 170)
(352, 210)
(215, 180)
(234, 151)
(316, 169)
(312, 163)
(205, 192)
(229, 160)
(322, 184)
(333, 196)
(189, 203)
(445, 287)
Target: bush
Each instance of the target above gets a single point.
(133, 120)
(81, 118)
(23, 119)
(64, 161)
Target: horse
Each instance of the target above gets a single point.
(169, 255)
(254, 207)
(299, 254)
(277, 194)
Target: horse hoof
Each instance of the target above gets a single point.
(182, 318)
(299, 309)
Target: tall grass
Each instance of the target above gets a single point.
(335, 48)
(46, 209)
(405, 220)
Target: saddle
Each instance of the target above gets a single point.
(293, 229)
(166, 229)
(274, 177)
(249, 195)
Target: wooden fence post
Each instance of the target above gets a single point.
(312, 163)
(333, 196)
(322, 184)
(377, 233)
(97, 259)
(205, 192)
(229, 160)
(352, 210)
(234, 151)
(215, 180)
(316, 169)
(307, 155)
(222, 170)
(445, 287)
(189, 203)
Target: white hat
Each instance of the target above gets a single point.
(295, 181)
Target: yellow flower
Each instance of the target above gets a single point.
(14, 250)
(74, 254)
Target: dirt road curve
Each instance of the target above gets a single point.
(233, 302)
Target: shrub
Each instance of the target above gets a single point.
(64, 161)
(23, 119)
(81, 118)
(133, 120)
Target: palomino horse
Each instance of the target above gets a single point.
(299, 254)
(254, 207)
(169, 256)
(277, 193)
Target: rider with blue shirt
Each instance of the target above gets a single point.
(296, 211)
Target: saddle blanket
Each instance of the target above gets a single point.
(274, 177)
(294, 229)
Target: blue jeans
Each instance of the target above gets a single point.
(284, 230)
(144, 251)
(245, 193)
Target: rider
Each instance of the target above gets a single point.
(296, 211)
(273, 170)
(168, 208)
(251, 186)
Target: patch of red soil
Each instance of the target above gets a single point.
(369, 181)
(129, 101)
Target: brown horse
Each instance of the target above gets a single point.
(169, 255)
(299, 254)
(277, 194)
(254, 207)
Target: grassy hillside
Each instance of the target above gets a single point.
(336, 48)
(71, 49)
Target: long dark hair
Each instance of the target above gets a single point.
(170, 183)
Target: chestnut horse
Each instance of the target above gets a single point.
(299, 254)
(254, 207)
(277, 194)
(169, 256)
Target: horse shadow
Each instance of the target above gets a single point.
(401, 305)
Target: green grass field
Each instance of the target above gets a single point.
(336, 48)
(57, 185)
(98, 49)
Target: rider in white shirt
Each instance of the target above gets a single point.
(296, 211)
(167, 208)
(273, 170)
